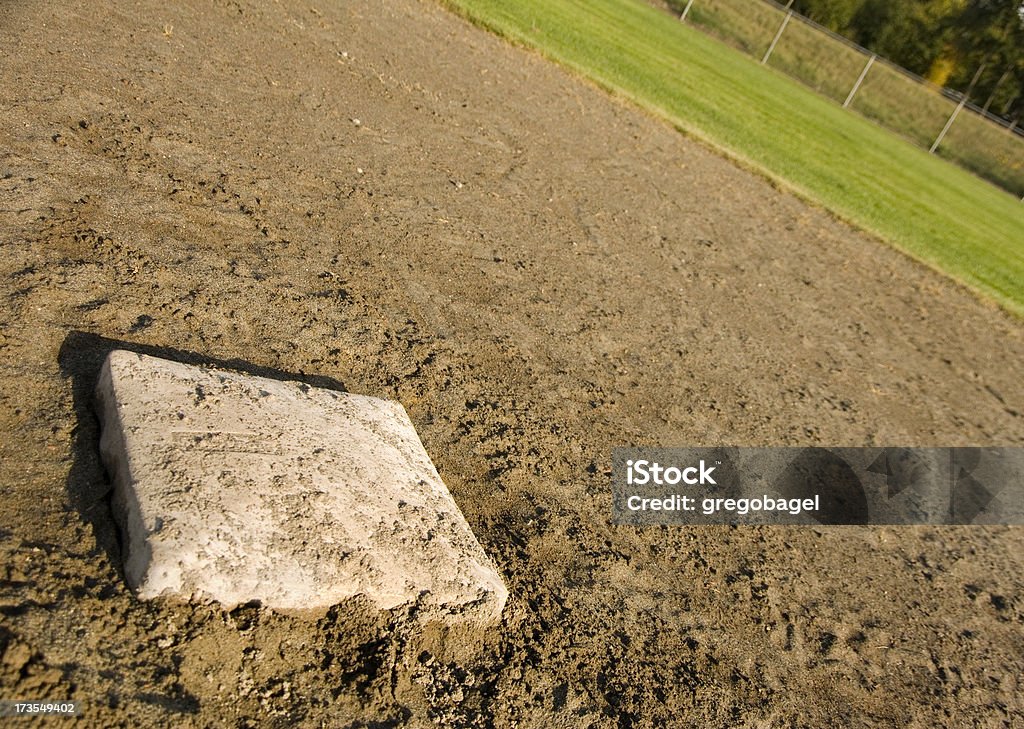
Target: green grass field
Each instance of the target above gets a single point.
(927, 207)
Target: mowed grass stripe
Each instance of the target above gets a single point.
(927, 207)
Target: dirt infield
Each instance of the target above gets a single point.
(380, 197)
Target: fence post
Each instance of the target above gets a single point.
(860, 80)
(682, 18)
(949, 123)
(952, 117)
(785, 22)
(996, 88)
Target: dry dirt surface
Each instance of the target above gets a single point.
(379, 197)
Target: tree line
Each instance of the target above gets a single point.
(950, 42)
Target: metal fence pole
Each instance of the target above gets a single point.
(860, 80)
(949, 123)
(785, 22)
(686, 10)
(956, 111)
(995, 89)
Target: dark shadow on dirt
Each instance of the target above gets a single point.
(81, 357)
(184, 704)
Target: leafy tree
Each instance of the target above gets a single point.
(911, 33)
(835, 15)
(990, 34)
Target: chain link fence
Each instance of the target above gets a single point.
(940, 120)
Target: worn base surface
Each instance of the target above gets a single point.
(240, 489)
